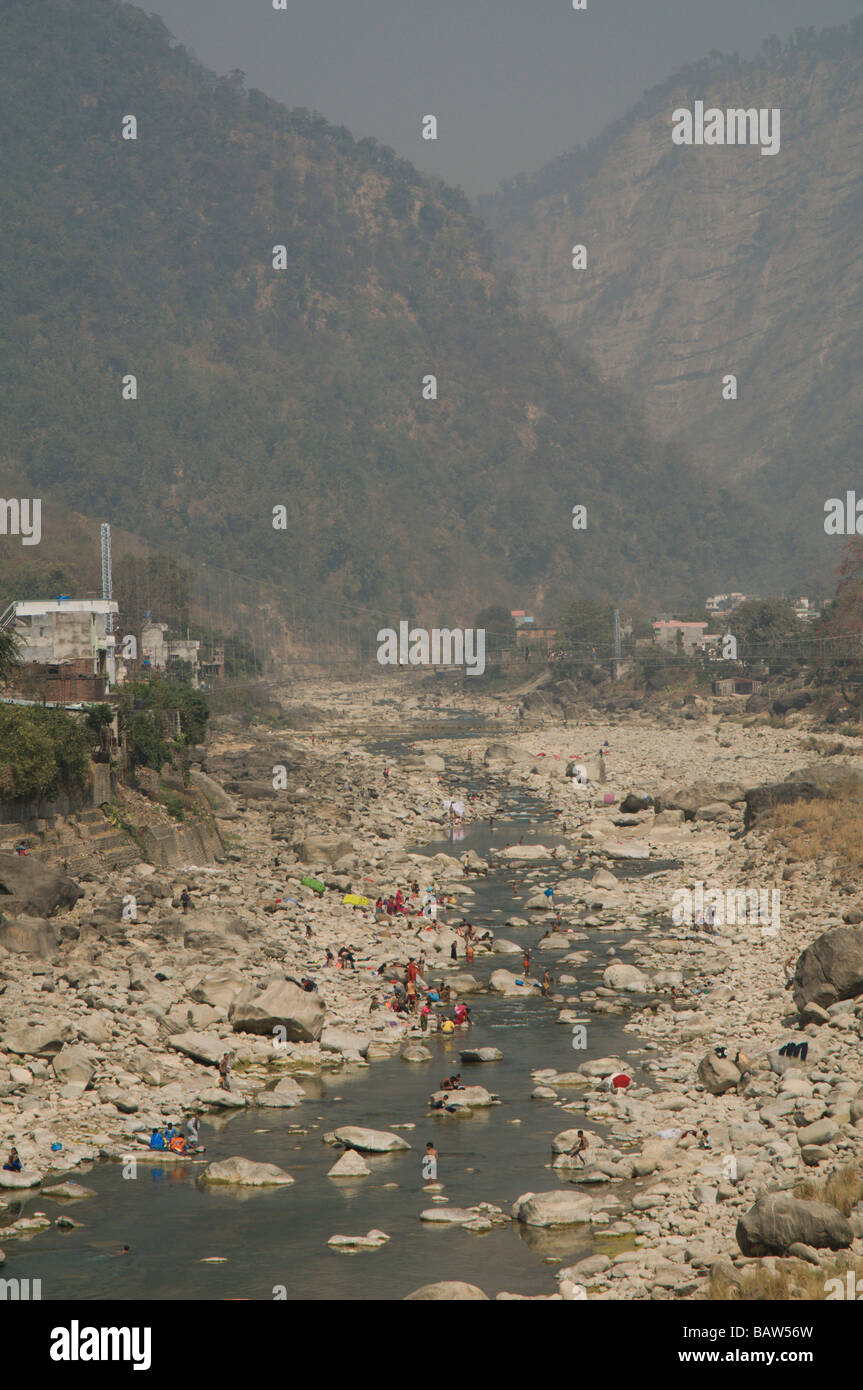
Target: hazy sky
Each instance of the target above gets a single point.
(513, 83)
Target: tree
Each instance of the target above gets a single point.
(10, 661)
(588, 627)
(499, 625)
(765, 622)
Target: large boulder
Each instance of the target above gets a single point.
(778, 1221)
(717, 1074)
(242, 1172)
(350, 1164)
(205, 1048)
(284, 1096)
(468, 1098)
(559, 1208)
(503, 982)
(30, 887)
(336, 1039)
(40, 1040)
(760, 801)
(30, 936)
(481, 1054)
(219, 988)
(323, 849)
(218, 798)
(373, 1141)
(504, 753)
(625, 977)
(690, 799)
(447, 1291)
(282, 1004)
(830, 969)
(73, 1064)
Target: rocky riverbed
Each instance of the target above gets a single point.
(110, 1027)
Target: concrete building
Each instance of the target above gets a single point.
(160, 653)
(724, 603)
(59, 630)
(692, 635)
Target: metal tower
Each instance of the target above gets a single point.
(105, 536)
(617, 633)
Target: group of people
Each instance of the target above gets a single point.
(174, 1141)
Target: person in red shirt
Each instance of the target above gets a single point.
(412, 970)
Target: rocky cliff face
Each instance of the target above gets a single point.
(705, 261)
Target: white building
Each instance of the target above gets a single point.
(65, 629)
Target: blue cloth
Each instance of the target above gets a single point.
(157, 1141)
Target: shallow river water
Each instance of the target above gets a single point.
(278, 1239)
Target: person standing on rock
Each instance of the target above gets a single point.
(546, 984)
(526, 963)
(193, 1125)
(224, 1083)
(453, 953)
(185, 900)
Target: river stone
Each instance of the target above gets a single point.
(525, 852)
(373, 1240)
(821, 1132)
(206, 1048)
(335, 1039)
(74, 1191)
(448, 1290)
(281, 1005)
(283, 1096)
(830, 969)
(33, 889)
(485, 1054)
(502, 947)
(777, 1221)
(552, 1208)
(447, 1216)
(30, 936)
(599, 1066)
(717, 1074)
(374, 1141)
(468, 1098)
(350, 1164)
(42, 1040)
(504, 982)
(242, 1172)
(72, 1064)
(415, 1052)
(625, 977)
(464, 983)
(224, 1100)
(603, 878)
(538, 903)
(219, 988)
(623, 849)
(26, 1179)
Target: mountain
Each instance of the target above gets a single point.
(302, 387)
(704, 261)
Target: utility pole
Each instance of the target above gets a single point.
(617, 633)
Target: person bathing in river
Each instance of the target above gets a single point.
(546, 984)
(526, 963)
